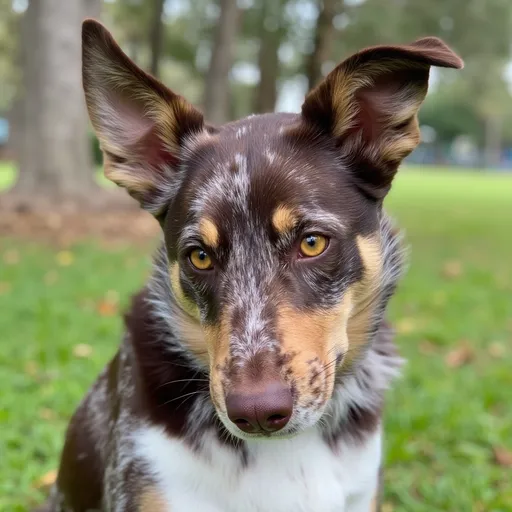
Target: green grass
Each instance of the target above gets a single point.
(442, 423)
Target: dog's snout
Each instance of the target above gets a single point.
(266, 408)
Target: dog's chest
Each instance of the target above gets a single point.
(302, 474)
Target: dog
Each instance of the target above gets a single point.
(254, 363)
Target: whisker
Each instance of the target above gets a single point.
(183, 396)
(181, 380)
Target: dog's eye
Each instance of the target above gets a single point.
(313, 245)
(200, 259)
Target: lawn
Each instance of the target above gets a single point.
(448, 421)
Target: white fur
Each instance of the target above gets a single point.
(302, 474)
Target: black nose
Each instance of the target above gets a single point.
(266, 410)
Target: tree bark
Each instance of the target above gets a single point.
(216, 107)
(156, 36)
(323, 40)
(268, 57)
(54, 151)
(92, 8)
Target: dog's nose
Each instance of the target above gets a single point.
(265, 410)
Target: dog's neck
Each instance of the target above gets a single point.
(177, 378)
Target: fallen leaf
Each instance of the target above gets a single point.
(106, 308)
(452, 269)
(496, 350)
(65, 258)
(5, 288)
(82, 350)
(406, 325)
(31, 368)
(502, 456)
(11, 257)
(112, 296)
(459, 356)
(46, 480)
(387, 507)
(46, 414)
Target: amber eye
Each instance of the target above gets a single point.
(313, 245)
(200, 259)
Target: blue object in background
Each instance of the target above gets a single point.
(4, 131)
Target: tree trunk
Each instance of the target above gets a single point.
(216, 98)
(268, 58)
(156, 35)
(323, 39)
(55, 152)
(92, 8)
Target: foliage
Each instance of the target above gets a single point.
(9, 71)
(448, 421)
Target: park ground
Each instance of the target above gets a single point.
(448, 420)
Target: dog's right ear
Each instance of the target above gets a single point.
(140, 123)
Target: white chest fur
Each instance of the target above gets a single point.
(302, 474)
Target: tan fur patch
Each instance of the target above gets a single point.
(348, 81)
(188, 306)
(284, 219)
(187, 319)
(152, 500)
(209, 232)
(217, 337)
(314, 340)
(365, 292)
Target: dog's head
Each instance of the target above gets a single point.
(271, 223)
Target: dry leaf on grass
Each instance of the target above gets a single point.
(46, 414)
(109, 305)
(46, 480)
(82, 350)
(406, 325)
(11, 257)
(5, 287)
(106, 308)
(31, 368)
(459, 356)
(452, 269)
(496, 350)
(112, 296)
(65, 258)
(502, 456)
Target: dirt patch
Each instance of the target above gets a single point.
(65, 229)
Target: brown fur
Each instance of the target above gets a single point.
(189, 339)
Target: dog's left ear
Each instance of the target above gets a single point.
(140, 123)
(369, 104)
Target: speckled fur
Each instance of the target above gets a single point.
(154, 431)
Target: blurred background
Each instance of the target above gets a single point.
(73, 248)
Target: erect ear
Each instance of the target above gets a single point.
(369, 104)
(140, 123)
